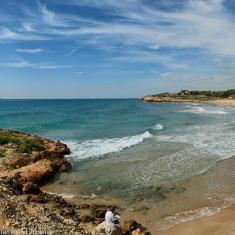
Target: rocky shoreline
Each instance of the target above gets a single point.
(220, 102)
(26, 163)
(165, 99)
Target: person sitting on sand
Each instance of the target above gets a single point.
(112, 223)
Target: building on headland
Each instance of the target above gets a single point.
(184, 92)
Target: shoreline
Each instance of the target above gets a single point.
(84, 209)
(219, 223)
(220, 102)
(223, 102)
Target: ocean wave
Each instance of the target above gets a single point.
(204, 110)
(100, 147)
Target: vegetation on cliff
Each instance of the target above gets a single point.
(23, 145)
(191, 96)
(198, 95)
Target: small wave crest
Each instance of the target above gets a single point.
(204, 110)
(100, 147)
(158, 127)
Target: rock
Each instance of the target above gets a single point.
(137, 232)
(38, 172)
(7, 223)
(17, 187)
(31, 188)
(68, 221)
(130, 225)
(18, 161)
(61, 164)
(67, 212)
(86, 218)
(98, 221)
(36, 198)
(98, 211)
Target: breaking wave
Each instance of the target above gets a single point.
(99, 147)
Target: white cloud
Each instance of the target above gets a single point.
(28, 27)
(26, 64)
(50, 17)
(30, 51)
(7, 35)
(155, 47)
(199, 24)
(203, 25)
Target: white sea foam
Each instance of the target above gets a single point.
(217, 140)
(204, 110)
(99, 147)
(158, 127)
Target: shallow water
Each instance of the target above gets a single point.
(148, 156)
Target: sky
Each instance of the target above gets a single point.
(115, 49)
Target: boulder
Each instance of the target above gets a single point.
(130, 225)
(36, 198)
(31, 188)
(137, 232)
(37, 172)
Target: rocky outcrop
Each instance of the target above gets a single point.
(35, 166)
(159, 99)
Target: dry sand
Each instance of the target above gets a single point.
(223, 102)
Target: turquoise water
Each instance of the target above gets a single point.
(144, 153)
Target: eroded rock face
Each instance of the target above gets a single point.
(25, 164)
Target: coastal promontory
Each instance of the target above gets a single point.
(226, 98)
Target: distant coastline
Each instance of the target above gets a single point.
(224, 98)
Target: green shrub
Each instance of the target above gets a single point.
(5, 138)
(27, 146)
(23, 145)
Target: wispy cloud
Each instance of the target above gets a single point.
(30, 51)
(28, 26)
(8, 35)
(137, 31)
(26, 64)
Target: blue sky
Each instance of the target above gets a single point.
(110, 48)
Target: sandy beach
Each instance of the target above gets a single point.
(222, 223)
(224, 102)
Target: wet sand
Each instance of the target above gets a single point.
(222, 223)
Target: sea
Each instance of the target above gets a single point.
(163, 163)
